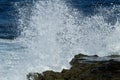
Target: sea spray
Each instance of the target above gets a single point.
(55, 33)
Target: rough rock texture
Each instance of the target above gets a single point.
(84, 67)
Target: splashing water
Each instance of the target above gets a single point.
(52, 34)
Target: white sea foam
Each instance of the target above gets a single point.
(52, 35)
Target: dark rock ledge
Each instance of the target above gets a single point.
(84, 67)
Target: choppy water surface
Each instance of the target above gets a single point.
(46, 34)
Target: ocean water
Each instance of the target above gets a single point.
(39, 35)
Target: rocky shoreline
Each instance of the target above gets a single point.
(84, 67)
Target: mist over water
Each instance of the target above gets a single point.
(52, 33)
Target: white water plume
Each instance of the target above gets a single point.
(55, 33)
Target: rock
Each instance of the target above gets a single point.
(78, 58)
(35, 76)
(83, 68)
(114, 55)
(50, 75)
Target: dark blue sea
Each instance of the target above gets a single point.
(8, 12)
(39, 35)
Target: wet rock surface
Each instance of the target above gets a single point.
(84, 67)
